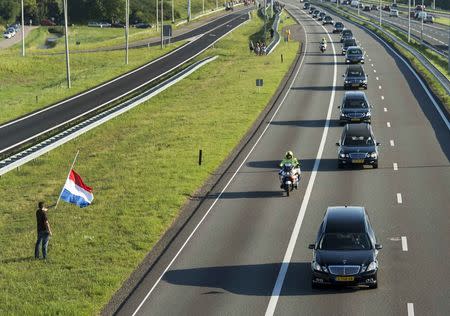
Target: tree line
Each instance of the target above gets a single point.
(81, 11)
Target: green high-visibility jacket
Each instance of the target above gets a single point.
(293, 161)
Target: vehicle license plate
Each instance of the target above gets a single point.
(355, 85)
(345, 278)
(358, 161)
(355, 119)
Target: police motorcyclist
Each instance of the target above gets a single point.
(323, 41)
(290, 159)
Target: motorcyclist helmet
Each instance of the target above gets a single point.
(289, 155)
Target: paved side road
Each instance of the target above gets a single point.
(16, 39)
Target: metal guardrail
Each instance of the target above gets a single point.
(51, 143)
(276, 35)
(443, 80)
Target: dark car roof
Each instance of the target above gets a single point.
(354, 95)
(361, 129)
(345, 219)
(355, 68)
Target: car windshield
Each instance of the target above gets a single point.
(345, 241)
(349, 43)
(355, 73)
(328, 18)
(347, 32)
(355, 104)
(358, 141)
(338, 24)
(355, 52)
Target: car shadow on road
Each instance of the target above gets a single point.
(326, 164)
(247, 195)
(321, 88)
(254, 279)
(307, 123)
(327, 63)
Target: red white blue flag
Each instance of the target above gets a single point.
(76, 192)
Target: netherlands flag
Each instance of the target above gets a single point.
(76, 192)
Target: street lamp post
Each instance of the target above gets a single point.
(66, 33)
(157, 18)
(23, 33)
(409, 21)
(421, 28)
(173, 13)
(162, 24)
(189, 11)
(127, 28)
(379, 9)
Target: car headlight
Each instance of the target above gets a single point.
(316, 266)
(372, 266)
(373, 155)
(347, 81)
(342, 155)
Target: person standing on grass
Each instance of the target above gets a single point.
(43, 231)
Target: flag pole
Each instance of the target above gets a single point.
(68, 174)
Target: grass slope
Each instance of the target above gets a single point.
(44, 76)
(143, 167)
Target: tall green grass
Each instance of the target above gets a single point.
(143, 168)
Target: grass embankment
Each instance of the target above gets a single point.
(438, 61)
(44, 76)
(143, 167)
(442, 20)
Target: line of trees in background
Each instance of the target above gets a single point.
(81, 11)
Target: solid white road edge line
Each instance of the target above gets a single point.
(399, 198)
(226, 186)
(293, 240)
(410, 307)
(404, 243)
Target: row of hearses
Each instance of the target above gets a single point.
(346, 249)
(357, 145)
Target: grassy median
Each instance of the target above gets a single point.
(143, 168)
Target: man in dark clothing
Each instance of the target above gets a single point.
(43, 231)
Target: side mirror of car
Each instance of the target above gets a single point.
(337, 144)
(378, 144)
(311, 246)
(378, 246)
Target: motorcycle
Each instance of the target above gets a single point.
(289, 178)
(323, 47)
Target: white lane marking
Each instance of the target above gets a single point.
(374, 70)
(392, 143)
(377, 78)
(372, 65)
(385, 109)
(298, 223)
(395, 165)
(404, 243)
(410, 307)
(399, 198)
(382, 97)
(388, 124)
(379, 87)
(228, 183)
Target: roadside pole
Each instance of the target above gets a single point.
(162, 23)
(421, 28)
(157, 18)
(409, 21)
(203, 6)
(217, 4)
(66, 35)
(127, 28)
(379, 9)
(448, 52)
(23, 32)
(189, 11)
(173, 13)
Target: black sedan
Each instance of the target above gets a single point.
(346, 34)
(345, 252)
(355, 108)
(354, 55)
(357, 146)
(338, 27)
(355, 77)
(327, 20)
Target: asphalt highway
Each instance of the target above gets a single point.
(435, 34)
(23, 129)
(227, 259)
